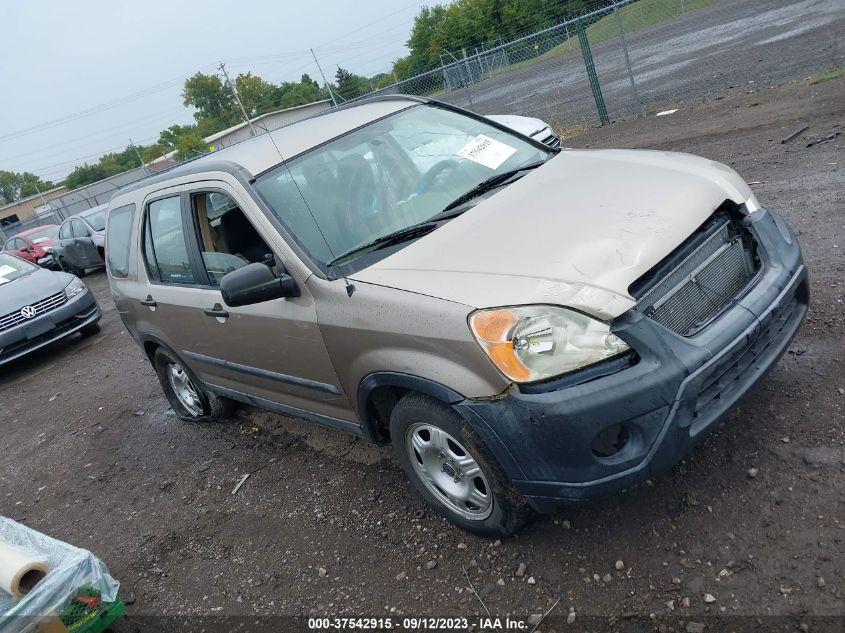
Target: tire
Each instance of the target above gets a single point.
(90, 330)
(486, 503)
(204, 405)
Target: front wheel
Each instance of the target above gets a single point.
(452, 468)
(188, 397)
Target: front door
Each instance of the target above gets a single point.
(272, 350)
(169, 303)
(84, 250)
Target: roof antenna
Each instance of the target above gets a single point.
(350, 288)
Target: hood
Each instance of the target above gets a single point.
(36, 286)
(527, 126)
(577, 232)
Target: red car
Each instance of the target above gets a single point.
(34, 245)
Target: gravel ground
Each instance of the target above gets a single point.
(328, 525)
(729, 45)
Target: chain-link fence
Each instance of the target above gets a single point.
(615, 59)
(636, 56)
(59, 209)
(43, 218)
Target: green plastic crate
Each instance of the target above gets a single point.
(80, 618)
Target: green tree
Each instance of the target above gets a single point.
(467, 24)
(257, 95)
(190, 146)
(15, 186)
(349, 85)
(306, 91)
(169, 137)
(210, 99)
(108, 165)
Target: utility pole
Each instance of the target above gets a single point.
(41, 195)
(222, 68)
(137, 153)
(323, 75)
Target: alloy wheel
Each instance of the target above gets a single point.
(449, 471)
(184, 389)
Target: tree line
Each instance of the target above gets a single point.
(437, 31)
(469, 24)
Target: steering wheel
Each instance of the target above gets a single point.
(438, 168)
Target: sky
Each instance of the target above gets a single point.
(80, 78)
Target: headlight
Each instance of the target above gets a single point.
(531, 343)
(74, 288)
(48, 249)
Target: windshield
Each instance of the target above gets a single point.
(391, 174)
(12, 268)
(47, 233)
(97, 220)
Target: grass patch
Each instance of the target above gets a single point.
(833, 74)
(641, 14)
(571, 130)
(634, 16)
(690, 499)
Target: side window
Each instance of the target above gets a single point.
(65, 232)
(117, 239)
(227, 239)
(78, 228)
(164, 243)
(17, 244)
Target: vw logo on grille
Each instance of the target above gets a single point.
(27, 312)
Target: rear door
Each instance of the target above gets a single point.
(272, 350)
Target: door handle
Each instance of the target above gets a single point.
(149, 302)
(216, 311)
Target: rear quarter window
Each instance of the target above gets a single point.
(118, 234)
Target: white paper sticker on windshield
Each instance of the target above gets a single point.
(6, 269)
(487, 151)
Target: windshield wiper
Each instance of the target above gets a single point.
(491, 183)
(427, 226)
(397, 237)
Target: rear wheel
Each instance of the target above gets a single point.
(452, 468)
(188, 397)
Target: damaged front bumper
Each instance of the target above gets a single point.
(658, 408)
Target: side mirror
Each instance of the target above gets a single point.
(255, 283)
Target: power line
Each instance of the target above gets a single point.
(131, 125)
(381, 19)
(92, 110)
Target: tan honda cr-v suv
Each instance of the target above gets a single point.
(527, 326)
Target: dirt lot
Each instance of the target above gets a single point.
(328, 525)
(691, 56)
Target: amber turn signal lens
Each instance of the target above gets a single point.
(503, 356)
(493, 326)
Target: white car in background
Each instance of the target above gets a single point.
(537, 129)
